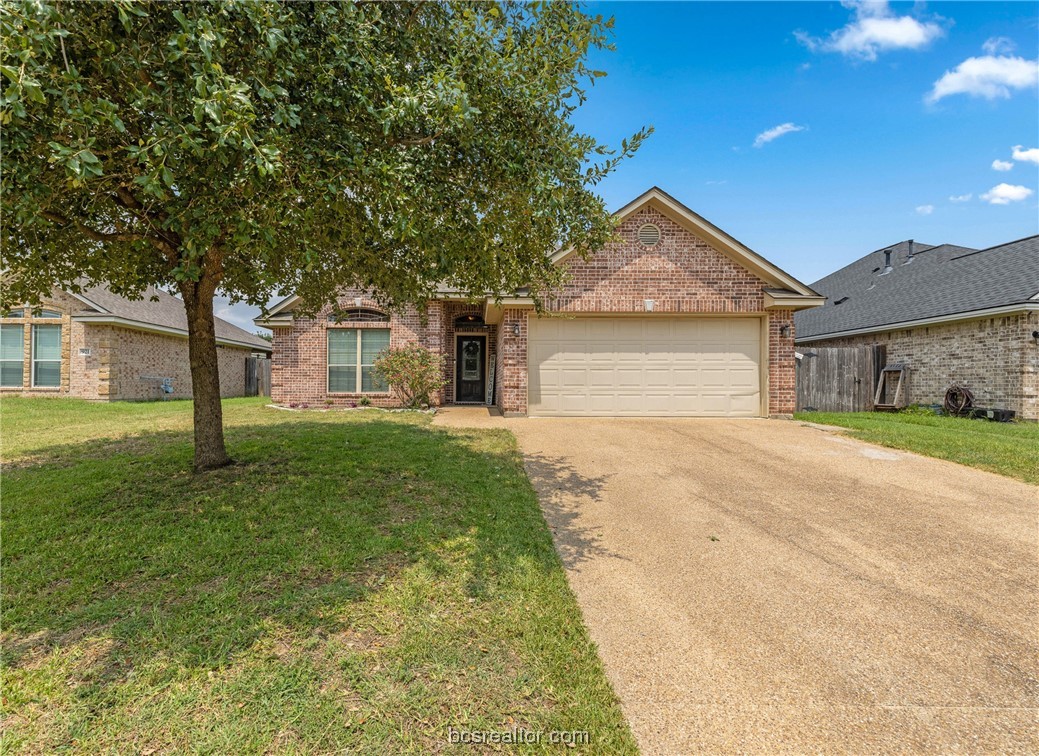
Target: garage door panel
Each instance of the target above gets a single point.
(714, 380)
(573, 403)
(657, 378)
(746, 378)
(629, 403)
(571, 378)
(645, 366)
(627, 329)
(746, 404)
(627, 378)
(658, 404)
(624, 352)
(601, 378)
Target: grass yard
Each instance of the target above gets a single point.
(1010, 449)
(359, 581)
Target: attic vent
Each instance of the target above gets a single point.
(649, 235)
(842, 300)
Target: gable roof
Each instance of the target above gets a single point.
(925, 283)
(787, 291)
(163, 315)
(720, 240)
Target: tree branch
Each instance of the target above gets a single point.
(168, 250)
(414, 14)
(92, 233)
(415, 141)
(167, 241)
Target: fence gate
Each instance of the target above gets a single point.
(257, 376)
(838, 379)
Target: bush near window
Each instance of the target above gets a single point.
(413, 373)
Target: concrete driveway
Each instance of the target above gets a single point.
(764, 586)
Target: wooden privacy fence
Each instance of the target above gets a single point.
(257, 376)
(837, 379)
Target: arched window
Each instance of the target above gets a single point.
(48, 314)
(358, 315)
(471, 320)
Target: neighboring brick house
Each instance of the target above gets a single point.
(98, 345)
(954, 315)
(675, 318)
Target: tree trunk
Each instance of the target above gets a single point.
(205, 377)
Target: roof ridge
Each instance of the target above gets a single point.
(996, 246)
(919, 247)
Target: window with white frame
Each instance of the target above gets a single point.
(12, 354)
(351, 354)
(46, 356)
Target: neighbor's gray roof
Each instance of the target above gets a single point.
(938, 281)
(166, 311)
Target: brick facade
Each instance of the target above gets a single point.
(123, 364)
(511, 390)
(451, 312)
(682, 274)
(782, 388)
(299, 371)
(996, 358)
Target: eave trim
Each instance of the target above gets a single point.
(791, 301)
(937, 320)
(137, 325)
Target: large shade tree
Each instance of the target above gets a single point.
(254, 147)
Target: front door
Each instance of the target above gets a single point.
(470, 353)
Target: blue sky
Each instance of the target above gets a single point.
(711, 77)
(872, 152)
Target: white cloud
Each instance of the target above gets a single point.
(239, 313)
(987, 76)
(925, 209)
(874, 29)
(1030, 155)
(1004, 194)
(961, 197)
(775, 132)
(1002, 165)
(998, 45)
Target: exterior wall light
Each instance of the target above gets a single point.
(784, 331)
(1035, 336)
(515, 329)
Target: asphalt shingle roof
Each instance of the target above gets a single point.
(933, 281)
(166, 310)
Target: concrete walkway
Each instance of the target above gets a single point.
(765, 587)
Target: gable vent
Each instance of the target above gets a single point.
(649, 235)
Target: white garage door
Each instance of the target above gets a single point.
(645, 366)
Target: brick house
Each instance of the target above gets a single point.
(954, 315)
(98, 345)
(676, 318)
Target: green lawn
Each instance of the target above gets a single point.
(358, 581)
(1010, 449)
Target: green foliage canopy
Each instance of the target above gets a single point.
(257, 147)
